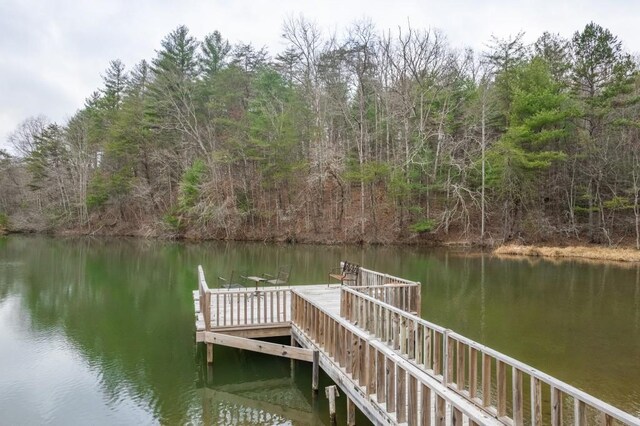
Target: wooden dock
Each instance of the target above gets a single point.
(391, 364)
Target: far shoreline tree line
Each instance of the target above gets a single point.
(367, 136)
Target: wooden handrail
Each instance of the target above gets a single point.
(467, 366)
(385, 378)
(554, 384)
(368, 277)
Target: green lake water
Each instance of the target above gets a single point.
(101, 331)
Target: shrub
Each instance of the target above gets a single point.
(4, 223)
(190, 185)
(423, 225)
(173, 222)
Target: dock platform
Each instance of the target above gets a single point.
(391, 364)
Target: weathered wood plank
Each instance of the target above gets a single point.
(351, 412)
(556, 407)
(536, 402)
(425, 406)
(460, 364)
(401, 398)
(258, 346)
(518, 397)
(486, 380)
(501, 381)
(441, 411)
(412, 401)
(391, 386)
(456, 417)
(381, 394)
(579, 413)
(473, 372)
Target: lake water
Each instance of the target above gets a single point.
(101, 331)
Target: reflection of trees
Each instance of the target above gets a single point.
(126, 306)
(120, 304)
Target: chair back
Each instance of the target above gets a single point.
(282, 276)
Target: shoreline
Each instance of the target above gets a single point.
(627, 255)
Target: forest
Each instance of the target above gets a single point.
(359, 136)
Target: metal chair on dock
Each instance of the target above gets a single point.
(230, 284)
(281, 278)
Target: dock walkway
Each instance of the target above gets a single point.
(394, 366)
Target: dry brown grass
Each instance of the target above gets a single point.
(584, 252)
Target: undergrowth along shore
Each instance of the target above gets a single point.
(585, 252)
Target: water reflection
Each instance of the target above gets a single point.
(102, 330)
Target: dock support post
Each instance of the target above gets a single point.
(332, 392)
(293, 361)
(316, 371)
(209, 353)
(351, 412)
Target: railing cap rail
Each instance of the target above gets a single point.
(394, 285)
(391, 277)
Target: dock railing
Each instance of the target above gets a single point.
(402, 296)
(249, 307)
(501, 385)
(393, 383)
(399, 292)
(234, 308)
(369, 278)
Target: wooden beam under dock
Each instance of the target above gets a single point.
(260, 346)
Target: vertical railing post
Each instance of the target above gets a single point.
(425, 406)
(401, 395)
(206, 314)
(473, 372)
(447, 361)
(438, 351)
(518, 397)
(501, 383)
(486, 380)
(536, 402)
(441, 411)
(556, 407)
(579, 412)
(418, 299)
(460, 364)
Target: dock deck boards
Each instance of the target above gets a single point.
(326, 297)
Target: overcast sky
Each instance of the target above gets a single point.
(52, 52)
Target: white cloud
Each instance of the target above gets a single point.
(52, 53)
